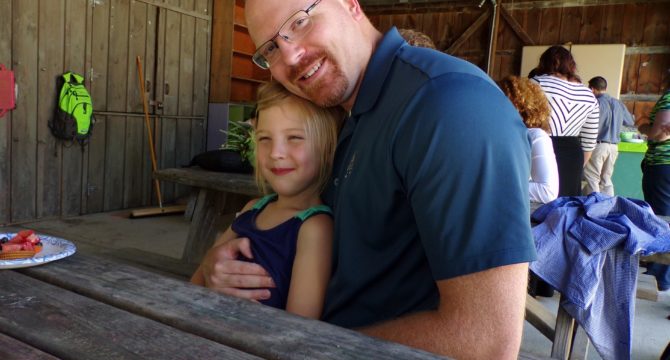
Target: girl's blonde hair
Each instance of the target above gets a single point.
(321, 125)
(529, 99)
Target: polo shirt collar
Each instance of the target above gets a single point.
(377, 71)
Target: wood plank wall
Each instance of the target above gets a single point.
(641, 25)
(41, 177)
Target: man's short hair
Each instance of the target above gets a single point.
(599, 83)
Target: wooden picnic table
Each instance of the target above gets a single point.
(216, 199)
(89, 307)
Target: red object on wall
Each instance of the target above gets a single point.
(7, 99)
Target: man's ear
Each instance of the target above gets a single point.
(354, 9)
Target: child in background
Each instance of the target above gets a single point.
(532, 104)
(290, 230)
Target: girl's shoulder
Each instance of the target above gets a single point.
(319, 225)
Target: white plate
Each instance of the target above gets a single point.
(53, 248)
(637, 141)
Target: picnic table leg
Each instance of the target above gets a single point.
(213, 212)
(565, 326)
(580, 345)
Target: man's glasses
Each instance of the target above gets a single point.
(293, 29)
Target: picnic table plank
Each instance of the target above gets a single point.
(250, 327)
(72, 326)
(12, 349)
(228, 182)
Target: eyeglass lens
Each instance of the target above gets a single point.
(293, 29)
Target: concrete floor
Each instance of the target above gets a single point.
(163, 237)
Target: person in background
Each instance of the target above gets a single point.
(613, 113)
(290, 230)
(574, 127)
(656, 170)
(432, 159)
(417, 38)
(574, 116)
(529, 99)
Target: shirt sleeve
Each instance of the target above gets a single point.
(464, 158)
(543, 184)
(589, 131)
(627, 116)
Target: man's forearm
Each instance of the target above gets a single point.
(474, 321)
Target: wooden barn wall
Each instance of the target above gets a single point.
(41, 177)
(641, 25)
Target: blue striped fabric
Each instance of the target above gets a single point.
(574, 109)
(588, 248)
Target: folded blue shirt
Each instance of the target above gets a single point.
(588, 248)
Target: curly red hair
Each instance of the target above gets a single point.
(529, 99)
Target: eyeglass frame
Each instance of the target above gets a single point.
(257, 54)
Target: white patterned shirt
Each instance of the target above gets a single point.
(574, 109)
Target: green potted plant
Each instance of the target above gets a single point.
(240, 141)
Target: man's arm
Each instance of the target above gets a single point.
(480, 316)
(627, 116)
(660, 130)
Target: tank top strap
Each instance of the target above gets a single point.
(260, 204)
(314, 210)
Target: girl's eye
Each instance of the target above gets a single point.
(263, 139)
(295, 137)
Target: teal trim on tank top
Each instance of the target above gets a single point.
(318, 209)
(263, 201)
(303, 215)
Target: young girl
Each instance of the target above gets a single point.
(529, 100)
(290, 230)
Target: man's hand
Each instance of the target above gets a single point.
(223, 272)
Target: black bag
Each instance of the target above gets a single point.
(222, 161)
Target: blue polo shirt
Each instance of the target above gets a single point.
(430, 182)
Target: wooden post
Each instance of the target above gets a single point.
(493, 41)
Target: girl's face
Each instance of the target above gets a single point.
(286, 156)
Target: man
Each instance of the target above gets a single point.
(598, 170)
(429, 191)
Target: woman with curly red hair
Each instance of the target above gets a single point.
(530, 101)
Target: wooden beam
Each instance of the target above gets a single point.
(647, 50)
(177, 9)
(493, 38)
(540, 317)
(416, 8)
(640, 97)
(525, 5)
(516, 27)
(471, 30)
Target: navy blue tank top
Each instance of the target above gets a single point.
(274, 249)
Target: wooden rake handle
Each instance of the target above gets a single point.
(154, 167)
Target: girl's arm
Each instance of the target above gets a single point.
(311, 268)
(198, 277)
